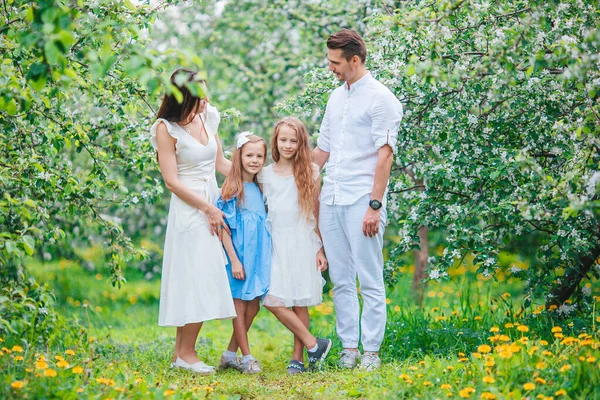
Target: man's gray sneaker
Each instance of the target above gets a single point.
(250, 367)
(370, 361)
(227, 362)
(317, 356)
(349, 359)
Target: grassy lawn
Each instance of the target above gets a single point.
(468, 341)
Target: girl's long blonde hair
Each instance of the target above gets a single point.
(233, 186)
(303, 170)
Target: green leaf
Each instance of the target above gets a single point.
(28, 244)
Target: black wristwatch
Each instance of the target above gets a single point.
(375, 204)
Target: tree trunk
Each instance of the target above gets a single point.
(572, 278)
(421, 257)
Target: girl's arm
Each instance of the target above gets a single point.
(321, 259)
(237, 269)
(168, 168)
(222, 164)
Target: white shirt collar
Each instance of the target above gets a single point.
(359, 83)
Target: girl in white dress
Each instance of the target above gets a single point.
(291, 191)
(194, 285)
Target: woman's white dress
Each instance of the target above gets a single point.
(194, 285)
(295, 279)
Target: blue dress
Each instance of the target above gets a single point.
(251, 241)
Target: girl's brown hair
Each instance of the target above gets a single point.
(186, 82)
(303, 169)
(233, 186)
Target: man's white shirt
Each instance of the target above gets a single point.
(357, 123)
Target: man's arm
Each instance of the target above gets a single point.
(385, 157)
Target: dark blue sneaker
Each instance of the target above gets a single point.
(316, 357)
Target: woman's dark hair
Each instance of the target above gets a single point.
(173, 110)
(351, 43)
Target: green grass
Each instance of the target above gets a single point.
(429, 352)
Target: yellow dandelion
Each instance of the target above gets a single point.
(1, 340)
(560, 392)
(524, 340)
(540, 365)
(77, 370)
(477, 318)
(92, 339)
(41, 364)
(138, 380)
(522, 328)
(570, 324)
(6, 350)
(505, 354)
(529, 386)
(508, 325)
(463, 359)
(477, 355)
(397, 308)
(494, 329)
(543, 343)
(591, 359)
(488, 379)
(404, 377)
(209, 389)
(449, 367)
(62, 364)
(70, 352)
(547, 353)
(59, 358)
(558, 335)
(565, 368)
(446, 386)
(50, 373)
(504, 338)
(17, 349)
(168, 392)
(17, 384)
(440, 318)
(556, 329)
(28, 369)
(98, 277)
(80, 390)
(597, 319)
(490, 363)
(466, 392)
(488, 396)
(427, 383)
(18, 358)
(541, 381)
(505, 295)
(484, 348)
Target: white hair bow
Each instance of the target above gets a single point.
(243, 139)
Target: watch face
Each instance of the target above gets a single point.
(375, 204)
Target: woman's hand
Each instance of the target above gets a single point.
(321, 260)
(216, 221)
(237, 270)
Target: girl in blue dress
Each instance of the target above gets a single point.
(248, 248)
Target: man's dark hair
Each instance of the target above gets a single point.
(351, 43)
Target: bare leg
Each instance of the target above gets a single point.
(302, 313)
(187, 348)
(252, 308)
(291, 321)
(239, 326)
(177, 343)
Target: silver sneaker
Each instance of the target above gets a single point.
(250, 367)
(234, 363)
(349, 359)
(370, 361)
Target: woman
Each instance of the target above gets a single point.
(194, 286)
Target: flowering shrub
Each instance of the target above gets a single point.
(500, 135)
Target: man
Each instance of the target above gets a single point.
(357, 140)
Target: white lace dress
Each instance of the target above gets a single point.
(295, 279)
(194, 285)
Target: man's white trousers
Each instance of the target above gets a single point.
(351, 254)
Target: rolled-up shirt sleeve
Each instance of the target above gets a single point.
(323, 140)
(386, 113)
